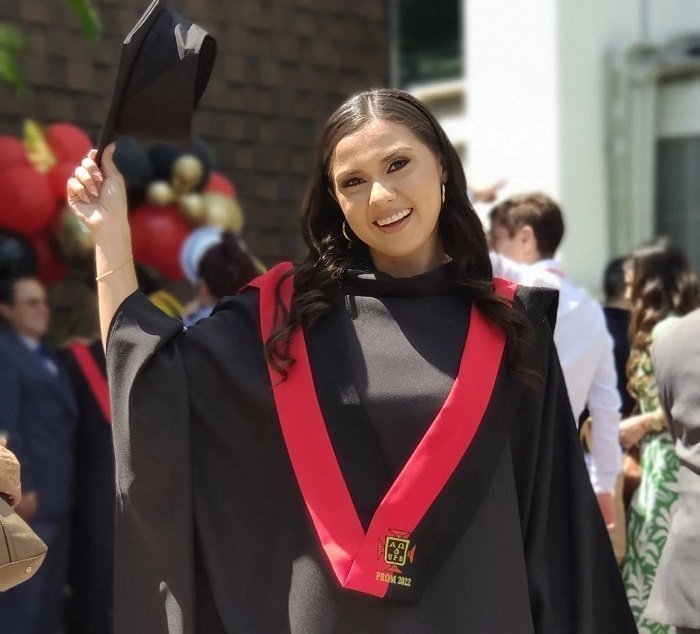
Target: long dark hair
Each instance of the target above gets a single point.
(662, 284)
(460, 229)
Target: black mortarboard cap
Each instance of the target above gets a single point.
(164, 68)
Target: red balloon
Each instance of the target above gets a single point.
(157, 234)
(27, 204)
(12, 152)
(219, 184)
(68, 142)
(58, 175)
(50, 267)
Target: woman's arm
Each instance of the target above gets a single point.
(98, 197)
(634, 428)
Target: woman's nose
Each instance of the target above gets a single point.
(380, 193)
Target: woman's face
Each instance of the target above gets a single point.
(388, 184)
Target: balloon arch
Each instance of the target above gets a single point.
(172, 191)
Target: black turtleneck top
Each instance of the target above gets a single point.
(213, 534)
(402, 378)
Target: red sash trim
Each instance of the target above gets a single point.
(353, 554)
(96, 380)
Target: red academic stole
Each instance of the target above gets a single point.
(96, 380)
(370, 562)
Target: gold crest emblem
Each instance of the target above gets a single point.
(396, 550)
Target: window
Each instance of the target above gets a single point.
(678, 194)
(426, 40)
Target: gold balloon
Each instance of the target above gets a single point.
(73, 238)
(187, 173)
(192, 208)
(160, 193)
(223, 211)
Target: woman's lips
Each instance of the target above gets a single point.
(395, 226)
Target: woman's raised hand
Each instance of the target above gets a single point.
(98, 197)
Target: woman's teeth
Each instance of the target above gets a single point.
(382, 222)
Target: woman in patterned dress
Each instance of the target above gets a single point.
(661, 287)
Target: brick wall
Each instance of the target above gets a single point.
(282, 68)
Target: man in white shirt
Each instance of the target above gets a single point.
(525, 232)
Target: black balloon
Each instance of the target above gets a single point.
(17, 257)
(134, 164)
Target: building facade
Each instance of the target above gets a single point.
(596, 103)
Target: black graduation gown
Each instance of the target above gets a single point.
(213, 534)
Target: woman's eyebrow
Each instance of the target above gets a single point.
(394, 153)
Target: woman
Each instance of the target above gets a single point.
(661, 288)
(403, 473)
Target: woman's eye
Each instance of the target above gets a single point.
(351, 182)
(398, 164)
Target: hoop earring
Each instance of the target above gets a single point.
(344, 231)
(443, 193)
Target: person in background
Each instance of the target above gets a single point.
(674, 598)
(223, 269)
(617, 319)
(661, 288)
(525, 233)
(39, 415)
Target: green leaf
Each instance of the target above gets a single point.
(11, 44)
(89, 19)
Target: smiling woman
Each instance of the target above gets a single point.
(377, 439)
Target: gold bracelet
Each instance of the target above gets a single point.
(100, 277)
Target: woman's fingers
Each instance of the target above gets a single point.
(94, 171)
(86, 179)
(76, 191)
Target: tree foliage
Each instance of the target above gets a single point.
(11, 44)
(12, 41)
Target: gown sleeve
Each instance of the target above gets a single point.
(574, 582)
(150, 412)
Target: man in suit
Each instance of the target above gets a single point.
(675, 599)
(38, 414)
